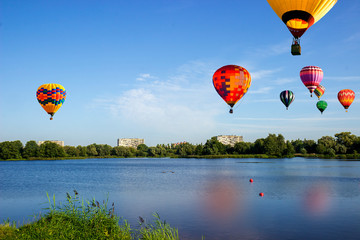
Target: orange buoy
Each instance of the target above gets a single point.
(251, 180)
(261, 194)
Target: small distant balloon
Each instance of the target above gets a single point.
(346, 97)
(231, 82)
(319, 91)
(311, 76)
(51, 97)
(287, 97)
(321, 105)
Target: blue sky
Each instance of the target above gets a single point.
(143, 69)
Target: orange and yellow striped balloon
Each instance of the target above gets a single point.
(51, 97)
(299, 15)
(346, 97)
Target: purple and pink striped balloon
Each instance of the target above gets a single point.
(311, 77)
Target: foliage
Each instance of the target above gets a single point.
(11, 150)
(344, 144)
(79, 219)
(160, 231)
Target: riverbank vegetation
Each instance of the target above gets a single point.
(343, 145)
(79, 219)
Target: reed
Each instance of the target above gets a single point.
(84, 219)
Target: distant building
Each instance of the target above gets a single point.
(229, 139)
(178, 143)
(130, 142)
(61, 143)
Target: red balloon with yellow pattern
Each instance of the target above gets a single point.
(346, 97)
(231, 82)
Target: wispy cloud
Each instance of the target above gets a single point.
(258, 75)
(274, 49)
(345, 78)
(262, 90)
(175, 106)
(352, 38)
(144, 77)
(299, 119)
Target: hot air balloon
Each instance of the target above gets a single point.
(300, 15)
(231, 82)
(319, 91)
(346, 97)
(51, 97)
(287, 97)
(311, 77)
(321, 105)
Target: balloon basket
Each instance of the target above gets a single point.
(295, 49)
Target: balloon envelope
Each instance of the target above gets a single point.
(311, 76)
(287, 97)
(319, 91)
(321, 105)
(300, 15)
(51, 97)
(346, 97)
(231, 82)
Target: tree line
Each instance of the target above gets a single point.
(342, 145)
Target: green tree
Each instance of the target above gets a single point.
(289, 150)
(120, 151)
(310, 146)
(161, 150)
(91, 150)
(346, 139)
(214, 147)
(31, 149)
(199, 149)
(72, 151)
(242, 147)
(51, 150)
(328, 143)
(274, 145)
(258, 147)
(82, 151)
(103, 149)
(11, 150)
(142, 150)
(151, 152)
(298, 145)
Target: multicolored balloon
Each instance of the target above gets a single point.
(346, 97)
(321, 105)
(311, 77)
(287, 97)
(319, 91)
(300, 15)
(51, 97)
(231, 82)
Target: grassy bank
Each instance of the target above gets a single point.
(79, 219)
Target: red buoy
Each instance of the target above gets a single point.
(261, 194)
(251, 180)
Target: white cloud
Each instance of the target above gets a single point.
(176, 106)
(262, 90)
(345, 78)
(258, 75)
(144, 77)
(352, 38)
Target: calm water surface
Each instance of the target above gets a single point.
(303, 198)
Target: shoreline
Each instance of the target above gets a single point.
(344, 157)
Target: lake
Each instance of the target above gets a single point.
(303, 198)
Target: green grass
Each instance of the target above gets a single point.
(79, 219)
